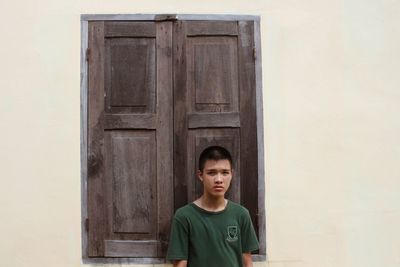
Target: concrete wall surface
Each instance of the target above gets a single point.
(331, 113)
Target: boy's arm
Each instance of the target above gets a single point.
(180, 263)
(247, 261)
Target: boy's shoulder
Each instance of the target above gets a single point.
(184, 211)
(237, 208)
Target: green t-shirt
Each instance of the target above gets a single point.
(212, 239)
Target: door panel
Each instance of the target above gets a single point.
(130, 199)
(212, 74)
(133, 194)
(214, 104)
(130, 75)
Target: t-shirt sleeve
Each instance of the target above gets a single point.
(178, 248)
(249, 237)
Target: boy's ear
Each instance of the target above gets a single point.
(199, 174)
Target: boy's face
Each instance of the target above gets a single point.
(216, 177)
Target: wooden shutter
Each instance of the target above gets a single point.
(130, 138)
(215, 104)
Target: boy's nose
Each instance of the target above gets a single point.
(218, 178)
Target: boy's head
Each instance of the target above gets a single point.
(215, 171)
(215, 153)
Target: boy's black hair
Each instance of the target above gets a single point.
(214, 153)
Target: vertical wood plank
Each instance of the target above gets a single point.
(164, 133)
(180, 120)
(96, 195)
(248, 129)
(260, 141)
(84, 132)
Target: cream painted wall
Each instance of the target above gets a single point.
(331, 93)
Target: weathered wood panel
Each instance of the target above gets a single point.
(134, 196)
(95, 165)
(84, 136)
(130, 75)
(118, 248)
(212, 28)
(180, 119)
(207, 120)
(212, 74)
(130, 121)
(135, 139)
(164, 134)
(129, 29)
(206, 100)
(248, 129)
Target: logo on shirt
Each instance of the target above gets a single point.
(232, 233)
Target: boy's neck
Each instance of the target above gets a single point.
(210, 203)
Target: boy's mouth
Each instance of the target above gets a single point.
(218, 188)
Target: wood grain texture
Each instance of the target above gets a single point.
(151, 207)
(134, 176)
(248, 129)
(132, 72)
(117, 248)
(180, 119)
(130, 75)
(164, 134)
(218, 120)
(212, 28)
(130, 121)
(96, 196)
(218, 86)
(212, 74)
(124, 260)
(83, 137)
(129, 29)
(136, 179)
(208, 98)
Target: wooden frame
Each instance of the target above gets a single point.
(85, 18)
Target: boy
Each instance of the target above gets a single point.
(212, 231)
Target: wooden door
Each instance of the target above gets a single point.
(158, 94)
(215, 104)
(130, 138)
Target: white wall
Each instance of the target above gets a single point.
(332, 123)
